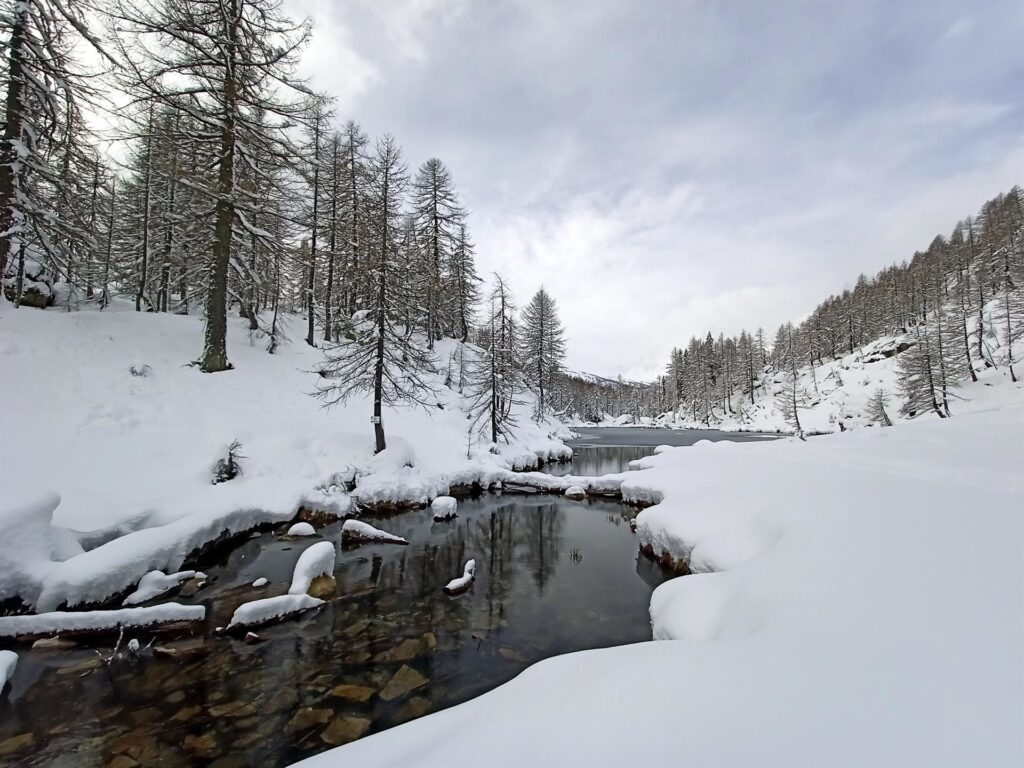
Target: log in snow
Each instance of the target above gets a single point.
(444, 508)
(259, 612)
(91, 622)
(461, 584)
(317, 560)
(357, 532)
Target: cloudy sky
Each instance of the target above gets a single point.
(669, 168)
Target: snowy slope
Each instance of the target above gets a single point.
(134, 454)
(858, 601)
(839, 390)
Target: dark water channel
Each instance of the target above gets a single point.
(606, 450)
(552, 576)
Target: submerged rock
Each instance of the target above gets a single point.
(308, 717)
(204, 746)
(322, 587)
(415, 707)
(345, 729)
(405, 651)
(349, 692)
(403, 682)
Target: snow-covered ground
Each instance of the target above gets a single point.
(110, 433)
(858, 600)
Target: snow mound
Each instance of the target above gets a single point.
(258, 612)
(576, 492)
(356, 531)
(260, 582)
(60, 622)
(301, 529)
(317, 560)
(463, 582)
(156, 583)
(444, 508)
(32, 546)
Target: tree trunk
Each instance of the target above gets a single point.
(13, 125)
(215, 353)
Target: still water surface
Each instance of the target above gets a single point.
(605, 450)
(552, 576)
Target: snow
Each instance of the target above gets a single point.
(156, 583)
(257, 612)
(576, 492)
(462, 582)
(134, 486)
(857, 601)
(444, 508)
(358, 531)
(260, 582)
(58, 622)
(317, 560)
(8, 663)
(301, 529)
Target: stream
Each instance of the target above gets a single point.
(553, 576)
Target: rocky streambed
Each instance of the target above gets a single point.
(552, 576)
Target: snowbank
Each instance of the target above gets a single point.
(135, 453)
(857, 602)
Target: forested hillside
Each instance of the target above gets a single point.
(947, 315)
(234, 190)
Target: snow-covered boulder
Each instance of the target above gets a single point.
(314, 562)
(576, 492)
(463, 582)
(444, 508)
(358, 532)
(31, 545)
(301, 529)
(8, 662)
(156, 583)
(36, 286)
(259, 612)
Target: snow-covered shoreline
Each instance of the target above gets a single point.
(136, 452)
(850, 595)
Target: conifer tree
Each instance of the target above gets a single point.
(381, 357)
(543, 345)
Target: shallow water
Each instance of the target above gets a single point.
(606, 450)
(552, 576)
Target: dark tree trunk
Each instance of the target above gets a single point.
(13, 125)
(215, 353)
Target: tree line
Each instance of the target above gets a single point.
(957, 303)
(241, 192)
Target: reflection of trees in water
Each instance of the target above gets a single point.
(544, 526)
